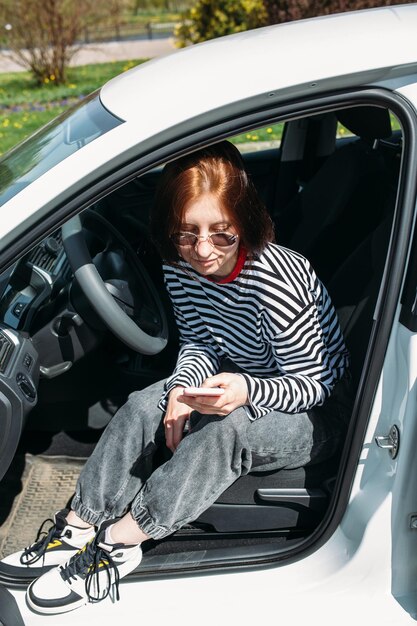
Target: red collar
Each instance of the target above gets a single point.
(236, 270)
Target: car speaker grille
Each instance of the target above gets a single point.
(6, 349)
(46, 254)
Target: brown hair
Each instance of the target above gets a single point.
(219, 170)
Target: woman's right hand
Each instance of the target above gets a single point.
(175, 417)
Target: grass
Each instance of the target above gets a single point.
(19, 87)
(269, 133)
(25, 106)
(132, 26)
(144, 16)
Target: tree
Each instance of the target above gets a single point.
(114, 10)
(287, 10)
(42, 36)
(214, 18)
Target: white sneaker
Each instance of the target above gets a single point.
(51, 548)
(89, 576)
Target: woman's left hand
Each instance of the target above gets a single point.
(235, 394)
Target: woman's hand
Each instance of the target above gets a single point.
(175, 417)
(235, 395)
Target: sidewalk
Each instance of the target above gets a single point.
(105, 52)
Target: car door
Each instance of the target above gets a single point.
(396, 433)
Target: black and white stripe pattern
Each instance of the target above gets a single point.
(275, 321)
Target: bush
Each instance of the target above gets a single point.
(42, 36)
(214, 18)
(208, 19)
(287, 10)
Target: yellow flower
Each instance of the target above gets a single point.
(51, 76)
(5, 123)
(128, 65)
(248, 136)
(255, 137)
(17, 125)
(72, 86)
(46, 80)
(269, 130)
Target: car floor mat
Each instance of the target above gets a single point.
(47, 483)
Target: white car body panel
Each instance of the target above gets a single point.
(362, 571)
(348, 580)
(202, 78)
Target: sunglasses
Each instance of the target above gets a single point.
(217, 240)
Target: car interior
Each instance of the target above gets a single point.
(330, 184)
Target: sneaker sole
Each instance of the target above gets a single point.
(20, 576)
(66, 606)
(11, 576)
(53, 610)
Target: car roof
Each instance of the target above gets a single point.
(290, 61)
(222, 71)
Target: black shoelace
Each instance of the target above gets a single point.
(91, 561)
(33, 553)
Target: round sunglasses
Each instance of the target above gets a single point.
(217, 240)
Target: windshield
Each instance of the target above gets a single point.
(53, 143)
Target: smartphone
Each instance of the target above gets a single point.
(203, 391)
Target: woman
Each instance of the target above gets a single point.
(256, 326)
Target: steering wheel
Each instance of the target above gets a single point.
(123, 304)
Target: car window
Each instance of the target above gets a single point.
(53, 143)
(259, 139)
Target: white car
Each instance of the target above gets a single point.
(84, 318)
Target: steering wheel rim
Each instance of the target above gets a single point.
(101, 300)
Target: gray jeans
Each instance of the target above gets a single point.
(212, 455)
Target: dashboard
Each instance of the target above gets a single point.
(19, 375)
(30, 286)
(41, 335)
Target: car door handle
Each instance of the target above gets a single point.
(55, 370)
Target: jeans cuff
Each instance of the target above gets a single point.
(86, 514)
(145, 522)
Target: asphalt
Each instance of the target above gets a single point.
(104, 52)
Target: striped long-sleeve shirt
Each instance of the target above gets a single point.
(275, 321)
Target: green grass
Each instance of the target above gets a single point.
(19, 87)
(25, 106)
(17, 126)
(132, 26)
(151, 15)
(269, 133)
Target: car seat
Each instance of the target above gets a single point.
(342, 203)
(296, 499)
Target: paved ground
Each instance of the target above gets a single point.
(109, 51)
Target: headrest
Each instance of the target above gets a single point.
(367, 122)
